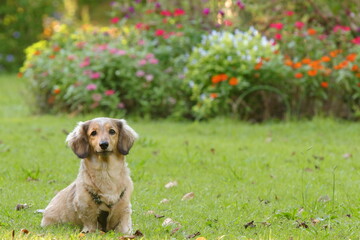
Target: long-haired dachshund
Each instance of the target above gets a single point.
(99, 198)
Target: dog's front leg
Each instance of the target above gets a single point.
(125, 223)
(88, 213)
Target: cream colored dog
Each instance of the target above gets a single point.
(99, 198)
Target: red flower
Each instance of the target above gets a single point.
(179, 12)
(324, 84)
(356, 41)
(228, 23)
(214, 95)
(115, 20)
(299, 25)
(342, 28)
(165, 13)
(109, 92)
(289, 13)
(278, 26)
(278, 36)
(159, 32)
(311, 31)
(298, 75)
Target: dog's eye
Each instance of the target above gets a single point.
(112, 131)
(93, 133)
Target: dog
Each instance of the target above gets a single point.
(99, 198)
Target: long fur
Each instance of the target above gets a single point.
(103, 173)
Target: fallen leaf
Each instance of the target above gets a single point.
(250, 224)
(302, 224)
(81, 235)
(314, 221)
(30, 179)
(318, 157)
(175, 230)
(188, 196)
(155, 153)
(24, 231)
(200, 238)
(21, 206)
(150, 212)
(158, 216)
(138, 233)
(127, 237)
(212, 150)
(266, 224)
(347, 155)
(308, 170)
(193, 235)
(348, 215)
(171, 184)
(167, 222)
(164, 201)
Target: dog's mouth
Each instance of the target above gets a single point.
(104, 152)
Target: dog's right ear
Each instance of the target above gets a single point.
(77, 140)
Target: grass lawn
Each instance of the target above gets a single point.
(295, 180)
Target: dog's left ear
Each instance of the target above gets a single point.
(127, 136)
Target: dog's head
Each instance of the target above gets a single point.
(101, 136)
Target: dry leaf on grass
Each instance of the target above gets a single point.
(188, 196)
(171, 184)
(21, 206)
(164, 200)
(168, 222)
(135, 235)
(193, 235)
(250, 225)
(347, 155)
(24, 231)
(158, 216)
(175, 230)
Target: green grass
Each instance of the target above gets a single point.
(279, 175)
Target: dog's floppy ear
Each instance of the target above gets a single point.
(77, 140)
(127, 136)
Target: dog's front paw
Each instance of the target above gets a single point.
(87, 229)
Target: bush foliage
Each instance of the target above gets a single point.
(158, 60)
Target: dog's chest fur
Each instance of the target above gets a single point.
(106, 177)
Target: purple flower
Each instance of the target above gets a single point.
(138, 1)
(149, 77)
(16, 34)
(91, 87)
(131, 9)
(140, 73)
(157, 5)
(10, 58)
(240, 4)
(121, 105)
(221, 12)
(206, 11)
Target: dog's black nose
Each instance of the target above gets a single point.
(104, 145)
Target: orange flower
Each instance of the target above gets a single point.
(327, 72)
(56, 48)
(351, 57)
(355, 68)
(258, 65)
(306, 61)
(298, 75)
(56, 90)
(51, 99)
(324, 84)
(20, 75)
(297, 65)
(311, 31)
(52, 56)
(358, 84)
(288, 62)
(312, 73)
(223, 77)
(213, 95)
(357, 75)
(215, 79)
(316, 65)
(37, 52)
(325, 59)
(233, 81)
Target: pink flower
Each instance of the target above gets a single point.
(228, 23)
(342, 28)
(91, 87)
(240, 4)
(289, 13)
(179, 12)
(322, 37)
(149, 56)
(95, 75)
(299, 25)
(71, 57)
(120, 52)
(141, 42)
(121, 105)
(165, 13)
(153, 61)
(159, 32)
(102, 47)
(85, 63)
(109, 92)
(140, 73)
(206, 11)
(149, 77)
(142, 62)
(115, 20)
(278, 36)
(80, 44)
(278, 26)
(356, 41)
